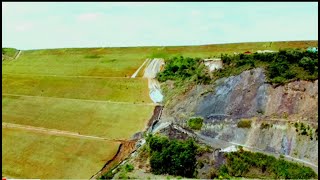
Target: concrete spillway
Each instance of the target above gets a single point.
(150, 72)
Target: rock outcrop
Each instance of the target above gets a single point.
(248, 96)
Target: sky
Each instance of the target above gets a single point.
(42, 25)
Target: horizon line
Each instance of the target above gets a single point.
(159, 45)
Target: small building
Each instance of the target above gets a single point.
(247, 52)
(213, 63)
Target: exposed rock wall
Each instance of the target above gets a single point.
(281, 138)
(247, 95)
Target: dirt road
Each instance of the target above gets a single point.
(19, 53)
(137, 71)
(57, 132)
(65, 76)
(88, 100)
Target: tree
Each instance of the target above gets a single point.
(172, 157)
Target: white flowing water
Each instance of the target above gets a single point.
(150, 72)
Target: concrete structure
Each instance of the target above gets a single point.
(213, 64)
(265, 51)
(229, 149)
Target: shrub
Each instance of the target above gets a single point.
(195, 123)
(265, 126)
(281, 67)
(241, 163)
(309, 64)
(108, 175)
(10, 52)
(92, 56)
(173, 158)
(123, 175)
(244, 124)
(129, 167)
(182, 68)
(203, 149)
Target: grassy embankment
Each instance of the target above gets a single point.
(27, 154)
(64, 93)
(28, 75)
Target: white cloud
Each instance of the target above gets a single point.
(195, 13)
(217, 15)
(89, 16)
(133, 3)
(25, 26)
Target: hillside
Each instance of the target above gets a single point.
(241, 109)
(89, 108)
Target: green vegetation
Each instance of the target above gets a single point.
(93, 56)
(77, 62)
(101, 119)
(257, 165)
(129, 167)
(122, 170)
(281, 67)
(305, 130)
(9, 52)
(185, 72)
(108, 175)
(181, 68)
(204, 149)
(265, 125)
(71, 90)
(29, 154)
(112, 89)
(172, 157)
(123, 173)
(195, 123)
(243, 123)
(161, 52)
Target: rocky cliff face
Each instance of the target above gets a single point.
(247, 95)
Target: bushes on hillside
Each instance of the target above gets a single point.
(265, 125)
(9, 52)
(195, 123)
(258, 165)
(306, 130)
(281, 67)
(183, 68)
(244, 124)
(171, 156)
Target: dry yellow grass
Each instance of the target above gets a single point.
(103, 119)
(27, 154)
(112, 89)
